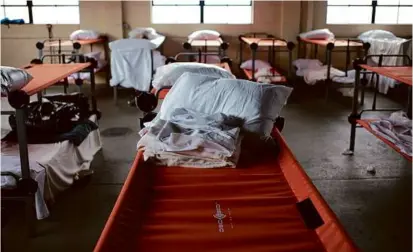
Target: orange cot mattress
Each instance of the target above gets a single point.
(70, 42)
(250, 208)
(203, 42)
(164, 92)
(402, 74)
(336, 42)
(46, 75)
(264, 41)
(248, 74)
(365, 123)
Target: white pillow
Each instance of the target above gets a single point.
(131, 44)
(166, 76)
(258, 104)
(258, 64)
(204, 35)
(140, 32)
(325, 34)
(13, 79)
(376, 34)
(84, 35)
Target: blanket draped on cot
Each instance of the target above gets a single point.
(397, 129)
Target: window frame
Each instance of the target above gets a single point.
(30, 5)
(374, 4)
(202, 6)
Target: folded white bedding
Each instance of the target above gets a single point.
(314, 70)
(53, 166)
(397, 129)
(193, 139)
(267, 75)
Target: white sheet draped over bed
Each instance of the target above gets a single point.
(53, 166)
(386, 46)
(131, 64)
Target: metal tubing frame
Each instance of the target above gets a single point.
(355, 113)
(271, 52)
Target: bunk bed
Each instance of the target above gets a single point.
(26, 188)
(339, 45)
(66, 50)
(257, 40)
(402, 74)
(204, 49)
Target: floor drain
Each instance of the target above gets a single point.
(115, 132)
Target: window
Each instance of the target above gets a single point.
(369, 11)
(41, 11)
(202, 11)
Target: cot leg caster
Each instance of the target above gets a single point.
(348, 152)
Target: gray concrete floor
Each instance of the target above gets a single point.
(375, 209)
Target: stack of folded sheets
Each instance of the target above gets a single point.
(193, 139)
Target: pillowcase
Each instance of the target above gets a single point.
(324, 34)
(204, 35)
(258, 64)
(131, 44)
(376, 34)
(13, 79)
(257, 104)
(167, 75)
(84, 35)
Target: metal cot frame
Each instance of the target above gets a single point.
(27, 187)
(356, 114)
(271, 49)
(330, 48)
(202, 48)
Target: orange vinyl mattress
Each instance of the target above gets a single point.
(264, 41)
(399, 73)
(164, 92)
(365, 123)
(46, 75)
(70, 42)
(336, 42)
(250, 208)
(248, 74)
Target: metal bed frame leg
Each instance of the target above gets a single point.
(39, 96)
(115, 95)
(93, 89)
(354, 114)
(363, 89)
(364, 82)
(254, 47)
(347, 56)
(25, 168)
(409, 103)
(330, 47)
(376, 86)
